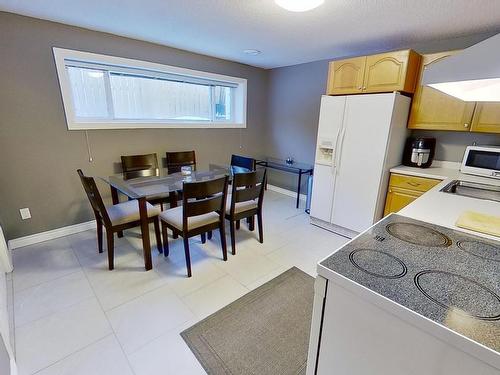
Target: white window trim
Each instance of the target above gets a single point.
(74, 123)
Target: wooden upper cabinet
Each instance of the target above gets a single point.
(486, 118)
(393, 71)
(386, 72)
(346, 76)
(434, 110)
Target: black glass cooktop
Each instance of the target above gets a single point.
(448, 276)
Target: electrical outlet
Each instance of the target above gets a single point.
(25, 213)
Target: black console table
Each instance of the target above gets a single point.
(295, 167)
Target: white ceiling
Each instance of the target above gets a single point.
(224, 28)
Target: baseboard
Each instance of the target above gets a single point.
(50, 234)
(287, 192)
(72, 229)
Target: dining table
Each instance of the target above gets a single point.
(160, 185)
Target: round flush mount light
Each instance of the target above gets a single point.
(252, 52)
(299, 5)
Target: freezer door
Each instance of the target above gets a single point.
(360, 162)
(322, 193)
(331, 117)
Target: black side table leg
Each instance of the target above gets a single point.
(298, 189)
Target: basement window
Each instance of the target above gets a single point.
(106, 92)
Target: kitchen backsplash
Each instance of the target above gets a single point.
(450, 146)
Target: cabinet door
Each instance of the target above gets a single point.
(391, 71)
(398, 198)
(434, 110)
(486, 118)
(346, 76)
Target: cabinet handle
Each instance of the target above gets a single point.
(364, 87)
(466, 125)
(415, 184)
(359, 88)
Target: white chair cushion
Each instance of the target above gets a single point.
(127, 212)
(173, 216)
(240, 206)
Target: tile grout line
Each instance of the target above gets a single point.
(54, 312)
(43, 282)
(69, 355)
(107, 318)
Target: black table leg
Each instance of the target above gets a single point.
(146, 244)
(298, 188)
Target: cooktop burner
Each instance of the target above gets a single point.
(453, 291)
(378, 263)
(418, 234)
(480, 249)
(447, 276)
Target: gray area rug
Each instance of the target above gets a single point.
(264, 332)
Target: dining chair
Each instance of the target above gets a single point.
(178, 159)
(238, 161)
(134, 166)
(245, 202)
(175, 161)
(202, 210)
(116, 218)
(242, 164)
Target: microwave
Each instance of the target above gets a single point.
(482, 161)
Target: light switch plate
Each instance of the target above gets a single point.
(25, 213)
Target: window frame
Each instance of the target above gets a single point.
(63, 57)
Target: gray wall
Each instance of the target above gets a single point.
(451, 145)
(294, 100)
(39, 156)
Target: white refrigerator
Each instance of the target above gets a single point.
(360, 137)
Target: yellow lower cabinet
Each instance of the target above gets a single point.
(398, 198)
(404, 189)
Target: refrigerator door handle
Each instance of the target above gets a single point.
(335, 153)
(338, 152)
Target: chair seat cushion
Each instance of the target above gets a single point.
(240, 206)
(128, 212)
(173, 216)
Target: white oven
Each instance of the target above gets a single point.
(482, 161)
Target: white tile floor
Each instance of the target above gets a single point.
(73, 316)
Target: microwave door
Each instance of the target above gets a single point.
(481, 161)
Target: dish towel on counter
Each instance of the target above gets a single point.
(479, 222)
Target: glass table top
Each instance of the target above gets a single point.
(164, 183)
(280, 163)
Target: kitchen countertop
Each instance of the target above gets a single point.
(446, 276)
(440, 170)
(441, 208)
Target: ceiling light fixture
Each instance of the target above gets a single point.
(252, 52)
(299, 5)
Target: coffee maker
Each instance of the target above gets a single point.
(419, 152)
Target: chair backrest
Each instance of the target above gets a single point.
(200, 198)
(134, 166)
(176, 160)
(94, 197)
(242, 162)
(248, 186)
